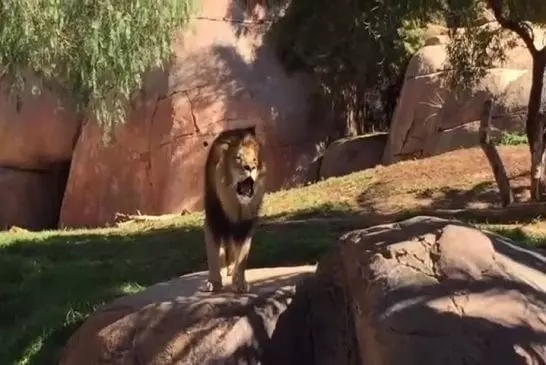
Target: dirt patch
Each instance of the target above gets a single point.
(454, 180)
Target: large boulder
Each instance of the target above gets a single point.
(430, 119)
(173, 323)
(353, 154)
(291, 317)
(435, 291)
(224, 75)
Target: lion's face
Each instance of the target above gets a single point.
(244, 169)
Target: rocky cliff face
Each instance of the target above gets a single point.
(223, 75)
(429, 119)
(37, 136)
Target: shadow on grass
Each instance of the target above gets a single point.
(49, 283)
(312, 327)
(485, 193)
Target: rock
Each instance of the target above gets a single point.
(430, 119)
(36, 131)
(222, 77)
(291, 317)
(353, 154)
(31, 199)
(37, 137)
(434, 291)
(171, 323)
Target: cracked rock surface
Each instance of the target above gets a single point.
(220, 78)
(434, 291)
(430, 119)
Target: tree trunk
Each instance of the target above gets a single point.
(535, 126)
(352, 127)
(493, 156)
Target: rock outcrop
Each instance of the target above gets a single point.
(37, 136)
(173, 323)
(353, 154)
(37, 130)
(421, 291)
(223, 76)
(433, 291)
(429, 119)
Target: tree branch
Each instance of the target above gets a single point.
(521, 29)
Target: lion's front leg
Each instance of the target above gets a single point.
(239, 264)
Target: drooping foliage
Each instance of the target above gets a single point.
(95, 50)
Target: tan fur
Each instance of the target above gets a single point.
(232, 158)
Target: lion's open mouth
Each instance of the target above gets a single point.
(245, 187)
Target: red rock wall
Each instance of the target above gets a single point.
(37, 135)
(222, 77)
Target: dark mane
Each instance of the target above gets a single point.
(220, 225)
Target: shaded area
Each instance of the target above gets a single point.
(171, 320)
(330, 41)
(32, 198)
(482, 305)
(477, 195)
(50, 282)
(486, 194)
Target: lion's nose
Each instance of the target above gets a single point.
(247, 168)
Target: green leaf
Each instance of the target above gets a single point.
(95, 50)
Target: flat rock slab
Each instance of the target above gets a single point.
(174, 323)
(435, 291)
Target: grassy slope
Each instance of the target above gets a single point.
(49, 281)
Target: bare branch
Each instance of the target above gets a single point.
(493, 157)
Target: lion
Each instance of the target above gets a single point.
(233, 193)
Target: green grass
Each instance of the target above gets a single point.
(50, 281)
(513, 139)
